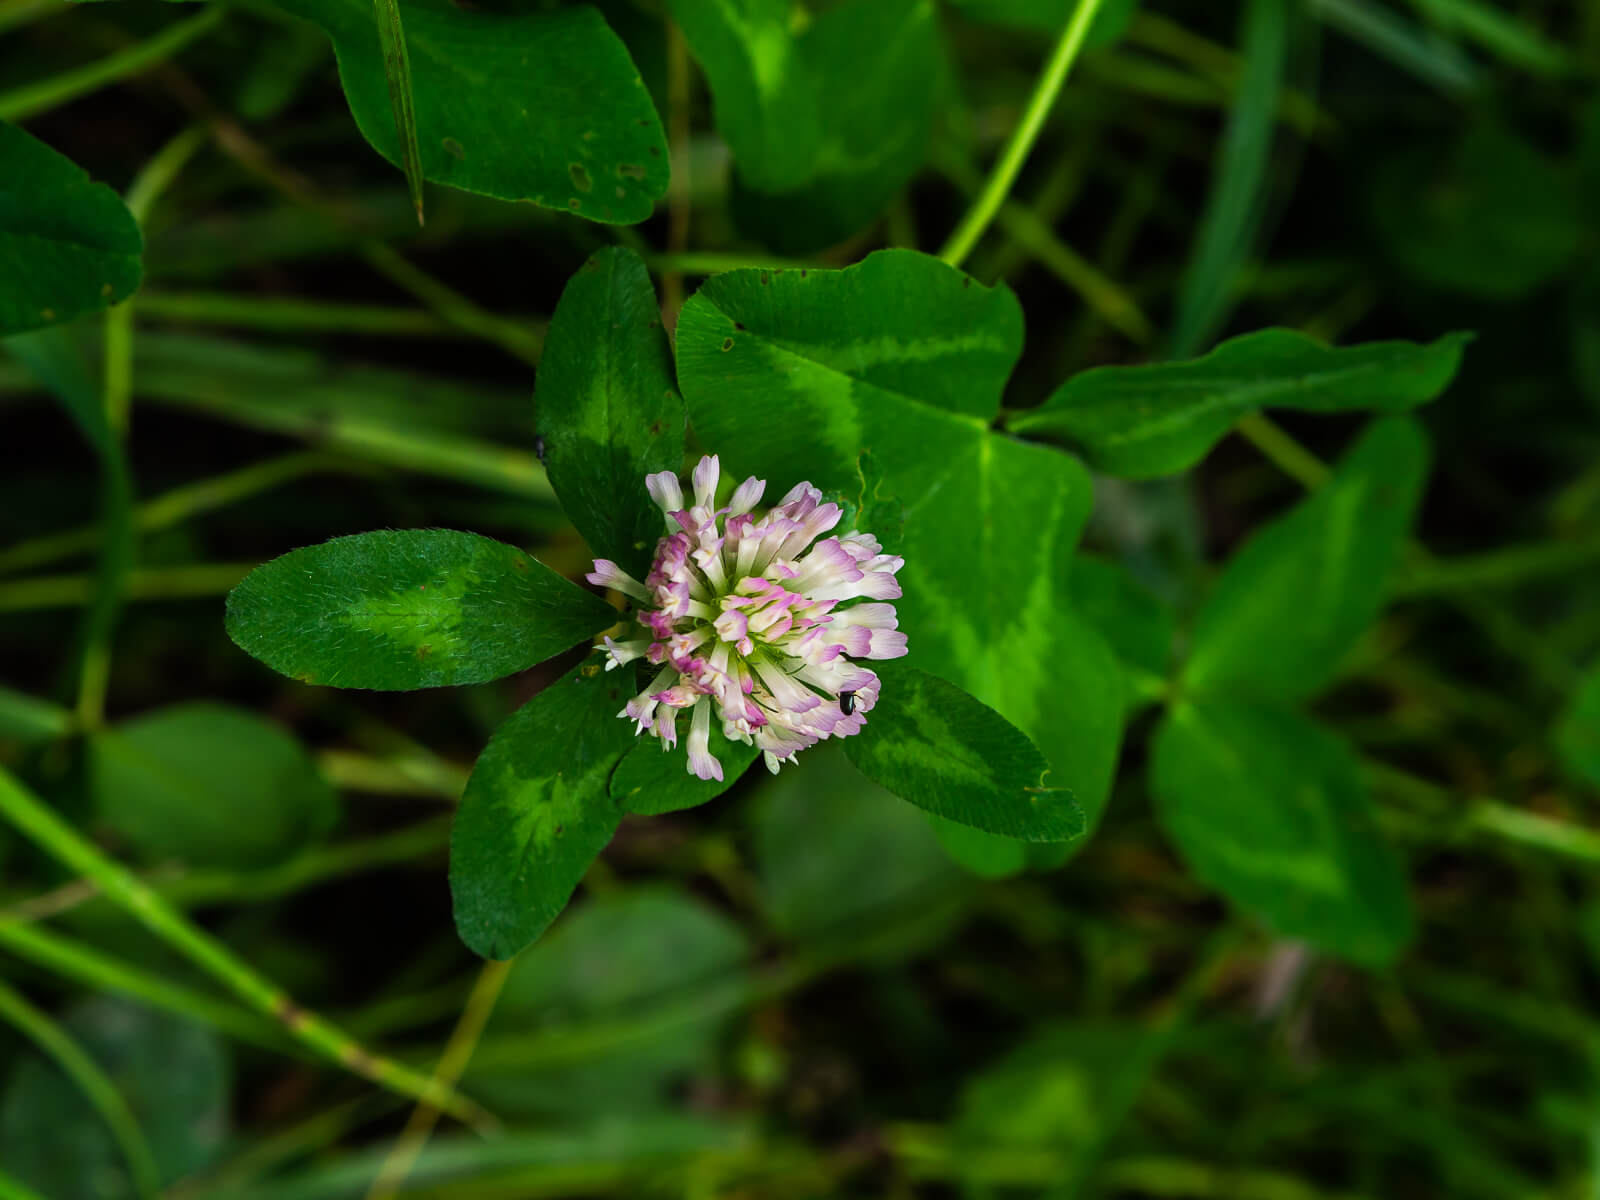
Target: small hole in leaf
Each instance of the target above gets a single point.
(580, 177)
(453, 148)
(727, 344)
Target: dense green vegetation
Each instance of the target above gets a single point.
(1227, 377)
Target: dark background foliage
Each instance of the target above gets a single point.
(795, 991)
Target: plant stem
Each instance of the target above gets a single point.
(311, 866)
(1027, 229)
(34, 98)
(89, 1079)
(37, 821)
(1288, 455)
(88, 966)
(457, 1053)
(1004, 175)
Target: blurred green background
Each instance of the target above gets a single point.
(795, 991)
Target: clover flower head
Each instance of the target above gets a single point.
(755, 617)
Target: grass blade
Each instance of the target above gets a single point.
(397, 70)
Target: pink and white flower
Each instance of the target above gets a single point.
(754, 618)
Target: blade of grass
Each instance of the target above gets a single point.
(89, 1079)
(19, 104)
(1435, 63)
(33, 818)
(94, 969)
(1234, 205)
(1504, 36)
(397, 71)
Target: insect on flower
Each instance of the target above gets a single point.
(754, 617)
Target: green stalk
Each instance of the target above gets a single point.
(32, 817)
(86, 1074)
(707, 262)
(34, 98)
(1004, 175)
(86, 965)
(311, 866)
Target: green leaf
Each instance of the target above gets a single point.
(414, 608)
(1577, 735)
(651, 780)
(67, 246)
(607, 407)
(617, 962)
(760, 85)
(209, 785)
(536, 811)
(397, 73)
(538, 106)
(1271, 810)
(1161, 418)
(834, 850)
(1294, 599)
(826, 122)
(1487, 215)
(794, 374)
(932, 744)
(173, 1075)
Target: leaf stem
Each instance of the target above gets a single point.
(34, 98)
(1004, 175)
(89, 1079)
(32, 817)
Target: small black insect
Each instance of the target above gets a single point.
(538, 447)
(847, 702)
